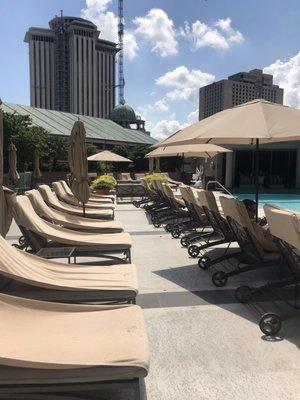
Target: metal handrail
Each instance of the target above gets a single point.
(220, 185)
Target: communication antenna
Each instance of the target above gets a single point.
(121, 82)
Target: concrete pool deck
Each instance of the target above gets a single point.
(204, 345)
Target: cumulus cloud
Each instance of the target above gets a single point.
(157, 28)
(286, 74)
(107, 23)
(193, 117)
(184, 82)
(219, 36)
(165, 128)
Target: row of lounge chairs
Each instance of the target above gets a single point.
(203, 223)
(67, 328)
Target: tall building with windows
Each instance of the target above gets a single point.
(71, 69)
(237, 89)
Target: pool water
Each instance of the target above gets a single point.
(289, 201)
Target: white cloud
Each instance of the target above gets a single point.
(219, 36)
(107, 23)
(165, 128)
(193, 117)
(158, 29)
(184, 82)
(286, 74)
(161, 105)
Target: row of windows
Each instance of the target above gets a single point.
(83, 33)
(42, 38)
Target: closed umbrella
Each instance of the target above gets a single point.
(12, 161)
(37, 172)
(151, 164)
(77, 158)
(5, 214)
(255, 123)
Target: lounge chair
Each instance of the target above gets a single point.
(40, 234)
(93, 197)
(51, 199)
(29, 276)
(69, 348)
(253, 255)
(170, 180)
(285, 228)
(70, 221)
(124, 176)
(139, 176)
(63, 196)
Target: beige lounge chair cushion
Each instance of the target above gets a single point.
(68, 220)
(284, 224)
(48, 337)
(25, 216)
(61, 194)
(93, 197)
(51, 199)
(37, 271)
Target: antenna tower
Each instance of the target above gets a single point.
(121, 82)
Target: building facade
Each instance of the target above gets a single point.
(71, 69)
(237, 89)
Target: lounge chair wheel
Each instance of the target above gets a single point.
(204, 262)
(193, 251)
(219, 279)
(184, 242)
(270, 324)
(175, 233)
(168, 227)
(242, 294)
(22, 240)
(156, 223)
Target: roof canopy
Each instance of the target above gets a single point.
(243, 124)
(108, 156)
(189, 150)
(97, 129)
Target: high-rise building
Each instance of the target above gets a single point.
(237, 89)
(71, 69)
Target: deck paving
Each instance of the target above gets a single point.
(204, 345)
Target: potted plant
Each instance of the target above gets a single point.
(156, 176)
(103, 184)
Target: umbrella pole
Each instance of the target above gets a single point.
(83, 208)
(256, 175)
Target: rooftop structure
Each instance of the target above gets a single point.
(125, 116)
(98, 130)
(71, 68)
(237, 89)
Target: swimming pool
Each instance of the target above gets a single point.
(290, 201)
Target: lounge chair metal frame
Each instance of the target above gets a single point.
(270, 322)
(249, 259)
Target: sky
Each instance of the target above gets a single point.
(172, 47)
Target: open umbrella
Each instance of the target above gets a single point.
(193, 150)
(77, 158)
(37, 172)
(255, 123)
(12, 161)
(108, 156)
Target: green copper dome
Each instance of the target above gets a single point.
(122, 113)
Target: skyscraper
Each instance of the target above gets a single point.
(71, 69)
(237, 89)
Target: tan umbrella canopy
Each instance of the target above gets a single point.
(193, 150)
(244, 124)
(37, 172)
(77, 158)
(5, 214)
(12, 161)
(255, 122)
(108, 156)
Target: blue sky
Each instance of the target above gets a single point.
(172, 48)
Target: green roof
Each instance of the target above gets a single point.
(97, 129)
(122, 113)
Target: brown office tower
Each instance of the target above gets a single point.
(237, 89)
(71, 69)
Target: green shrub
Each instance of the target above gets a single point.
(156, 176)
(104, 182)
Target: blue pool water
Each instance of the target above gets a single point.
(290, 201)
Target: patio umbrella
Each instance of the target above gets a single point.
(37, 172)
(255, 123)
(108, 156)
(12, 161)
(78, 163)
(5, 214)
(193, 150)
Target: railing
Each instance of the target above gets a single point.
(220, 185)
